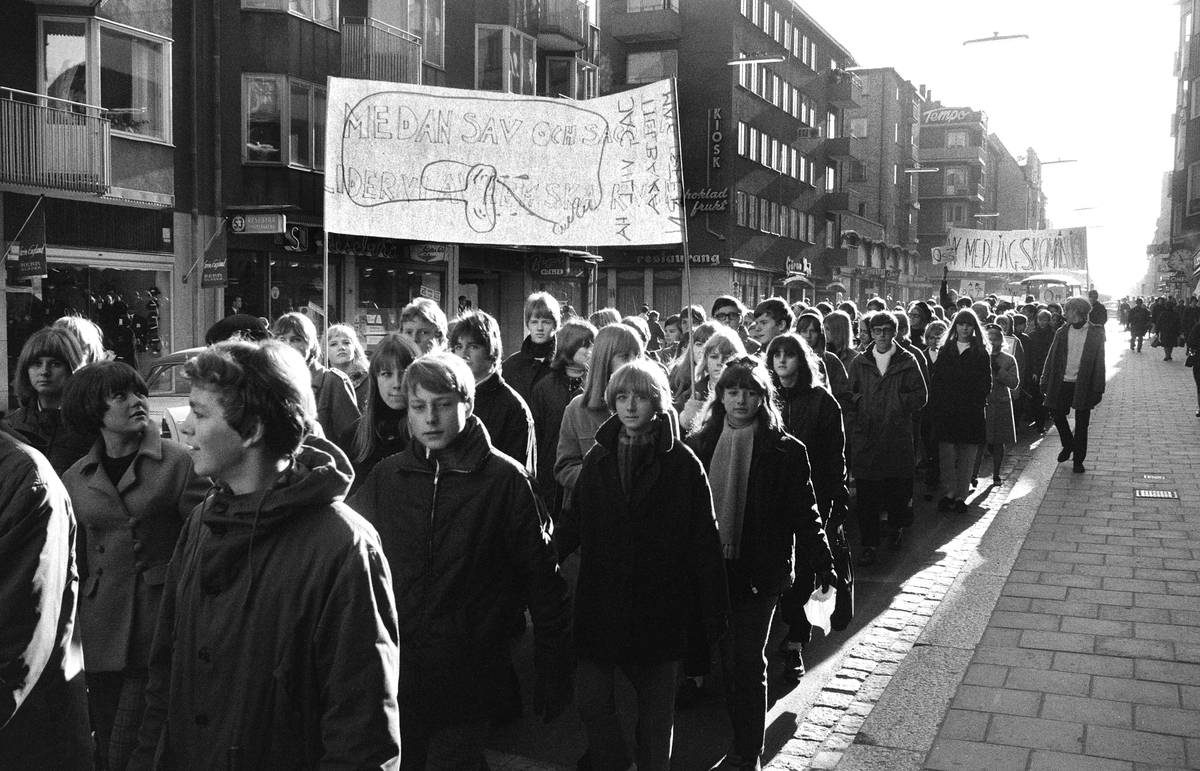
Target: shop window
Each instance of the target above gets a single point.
(385, 287)
(270, 102)
(505, 60)
(321, 11)
(649, 66)
(125, 71)
(570, 77)
(631, 291)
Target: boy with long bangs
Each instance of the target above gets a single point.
(526, 367)
(460, 525)
(275, 644)
(650, 558)
(475, 338)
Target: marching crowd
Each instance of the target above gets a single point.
(332, 565)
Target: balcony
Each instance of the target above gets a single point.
(844, 149)
(562, 25)
(970, 154)
(63, 148)
(373, 50)
(645, 21)
(843, 89)
(844, 201)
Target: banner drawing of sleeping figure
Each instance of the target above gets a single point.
(478, 167)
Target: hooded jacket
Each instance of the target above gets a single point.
(463, 531)
(508, 420)
(43, 703)
(276, 639)
(880, 417)
(649, 560)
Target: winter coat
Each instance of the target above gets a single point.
(576, 435)
(337, 408)
(1139, 320)
(1040, 339)
(276, 639)
(649, 561)
(508, 419)
(360, 380)
(524, 369)
(958, 393)
(1006, 376)
(815, 418)
(836, 378)
(783, 541)
(551, 396)
(44, 431)
(43, 702)
(127, 536)
(1167, 327)
(467, 544)
(391, 438)
(1089, 384)
(1097, 314)
(881, 414)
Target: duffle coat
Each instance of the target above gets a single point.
(881, 414)
(958, 393)
(1001, 426)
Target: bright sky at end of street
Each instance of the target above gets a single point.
(1092, 83)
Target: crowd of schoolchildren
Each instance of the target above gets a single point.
(331, 566)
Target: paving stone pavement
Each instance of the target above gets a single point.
(1090, 657)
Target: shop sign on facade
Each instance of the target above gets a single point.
(214, 273)
(707, 200)
(432, 294)
(427, 252)
(250, 224)
(364, 246)
(714, 138)
(31, 251)
(800, 267)
(676, 259)
(550, 265)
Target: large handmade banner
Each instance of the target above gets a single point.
(449, 165)
(1014, 251)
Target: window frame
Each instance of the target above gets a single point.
(285, 6)
(526, 79)
(316, 123)
(664, 54)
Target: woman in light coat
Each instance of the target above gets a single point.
(132, 494)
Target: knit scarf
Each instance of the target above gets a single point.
(728, 476)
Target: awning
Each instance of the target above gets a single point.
(796, 280)
(836, 286)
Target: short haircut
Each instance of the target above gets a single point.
(441, 373)
(1005, 323)
(983, 311)
(964, 302)
(359, 356)
(672, 321)
(85, 398)
(1045, 314)
(1080, 304)
(605, 316)
(724, 340)
(726, 299)
(883, 319)
(935, 330)
(240, 325)
(259, 384)
(652, 315)
(639, 325)
(809, 374)
(87, 334)
(697, 314)
(808, 319)
(570, 337)
(641, 377)
(850, 308)
(542, 305)
(824, 307)
(876, 303)
(480, 328)
(777, 308)
(613, 340)
(300, 325)
(53, 342)
(424, 309)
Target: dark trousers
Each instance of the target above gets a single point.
(1137, 338)
(446, 747)
(744, 662)
(1037, 405)
(595, 697)
(116, 701)
(1075, 441)
(879, 495)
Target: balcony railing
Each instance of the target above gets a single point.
(562, 25)
(373, 50)
(62, 147)
(645, 21)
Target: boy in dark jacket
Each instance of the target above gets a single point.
(460, 525)
(650, 559)
(275, 645)
(527, 366)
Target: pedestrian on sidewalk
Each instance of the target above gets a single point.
(650, 557)
(766, 509)
(1073, 379)
(935, 338)
(461, 526)
(1193, 355)
(1001, 427)
(337, 407)
(958, 394)
(1167, 328)
(47, 360)
(1139, 324)
(1040, 340)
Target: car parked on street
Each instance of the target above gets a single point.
(169, 391)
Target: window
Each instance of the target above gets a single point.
(752, 220)
(896, 131)
(830, 178)
(807, 50)
(956, 139)
(1194, 96)
(649, 66)
(831, 124)
(956, 178)
(270, 102)
(570, 77)
(858, 127)
(739, 198)
(955, 213)
(830, 229)
(321, 11)
(505, 60)
(1193, 189)
(895, 174)
(125, 71)
(427, 19)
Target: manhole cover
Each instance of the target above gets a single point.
(1154, 477)
(1155, 494)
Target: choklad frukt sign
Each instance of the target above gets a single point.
(455, 166)
(1013, 251)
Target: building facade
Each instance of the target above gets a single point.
(1179, 256)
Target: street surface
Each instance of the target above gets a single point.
(1053, 626)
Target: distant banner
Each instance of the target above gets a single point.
(1013, 251)
(449, 165)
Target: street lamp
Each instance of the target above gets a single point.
(1060, 160)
